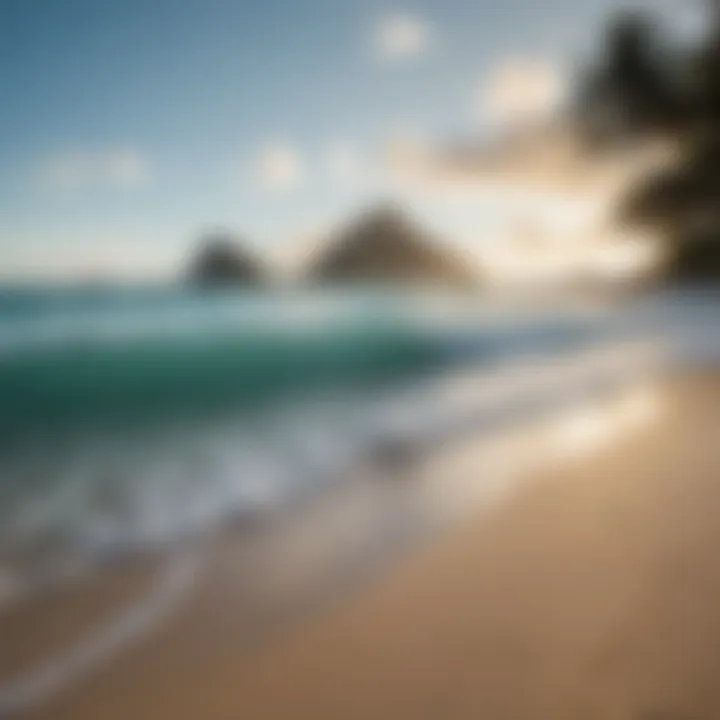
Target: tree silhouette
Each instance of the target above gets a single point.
(644, 86)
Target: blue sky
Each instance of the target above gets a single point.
(129, 126)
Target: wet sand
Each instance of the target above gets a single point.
(594, 592)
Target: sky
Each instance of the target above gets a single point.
(129, 127)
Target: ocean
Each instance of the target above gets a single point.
(133, 417)
(333, 428)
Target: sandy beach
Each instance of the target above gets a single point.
(359, 361)
(592, 592)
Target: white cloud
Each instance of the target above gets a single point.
(279, 167)
(119, 168)
(402, 36)
(521, 91)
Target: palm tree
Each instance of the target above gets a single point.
(645, 87)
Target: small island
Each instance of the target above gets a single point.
(385, 246)
(222, 260)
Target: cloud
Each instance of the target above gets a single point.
(522, 91)
(118, 168)
(531, 204)
(402, 36)
(279, 167)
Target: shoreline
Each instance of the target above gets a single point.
(592, 594)
(258, 590)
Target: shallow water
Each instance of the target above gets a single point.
(130, 418)
(142, 420)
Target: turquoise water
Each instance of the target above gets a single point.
(130, 417)
(139, 419)
(96, 357)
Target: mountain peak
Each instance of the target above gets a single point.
(385, 245)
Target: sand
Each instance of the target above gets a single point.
(592, 593)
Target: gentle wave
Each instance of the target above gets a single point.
(342, 384)
(114, 447)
